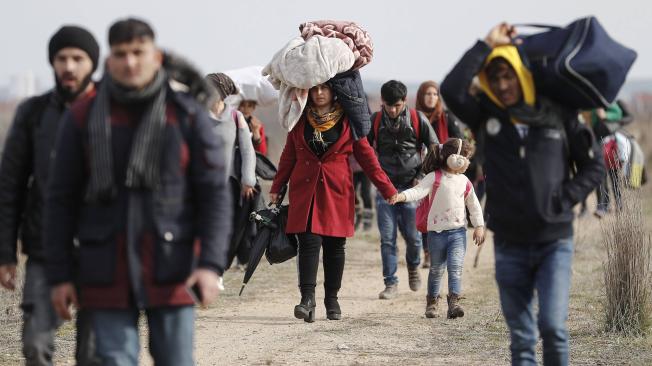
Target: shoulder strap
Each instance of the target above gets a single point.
(376, 126)
(469, 186)
(234, 115)
(416, 124)
(435, 186)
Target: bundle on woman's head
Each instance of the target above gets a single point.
(356, 38)
(453, 155)
(326, 51)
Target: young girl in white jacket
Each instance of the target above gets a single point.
(448, 192)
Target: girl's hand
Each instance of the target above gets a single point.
(248, 192)
(478, 235)
(273, 198)
(399, 197)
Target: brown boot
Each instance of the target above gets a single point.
(414, 279)
(454, 308)
(389, 292)
(431, 306)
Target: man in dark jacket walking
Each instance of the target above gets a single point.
(530, 146)
(73, 54)
(398, 135)
(139, 181)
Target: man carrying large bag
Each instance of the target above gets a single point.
(580, 66)
(530, 144)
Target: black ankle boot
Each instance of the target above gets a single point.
(306, 308)
(333, 311)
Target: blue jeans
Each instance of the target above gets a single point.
(447, 249)
(390, 217)
(522, 268)
(171, 332)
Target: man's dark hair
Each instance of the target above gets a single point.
(393, 91)
(127, 30)
(495, 65)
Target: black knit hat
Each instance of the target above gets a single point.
(73, 36)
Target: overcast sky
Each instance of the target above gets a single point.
(414, 40)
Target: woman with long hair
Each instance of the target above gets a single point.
(315, 162)
(429, 102)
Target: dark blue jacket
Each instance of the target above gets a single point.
(530, 189)
(139, 248)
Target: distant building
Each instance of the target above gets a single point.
(4, 93)
(22, 85)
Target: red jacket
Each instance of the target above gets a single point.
(261, 147)
(325, 182)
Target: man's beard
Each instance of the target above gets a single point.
(68, 95)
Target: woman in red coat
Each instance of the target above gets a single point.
(315, 161)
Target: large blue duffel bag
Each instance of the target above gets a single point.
(579, 65)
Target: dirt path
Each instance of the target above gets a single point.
(259, 327)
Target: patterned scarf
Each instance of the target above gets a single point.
(324, 122)
(144, 159)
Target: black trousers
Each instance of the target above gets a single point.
(333, 258)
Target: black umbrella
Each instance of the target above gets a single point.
(242, 208)
(266, 170)
(270, 228)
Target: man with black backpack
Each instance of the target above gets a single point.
(398, 135)
(73, 54)
(530, 145)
